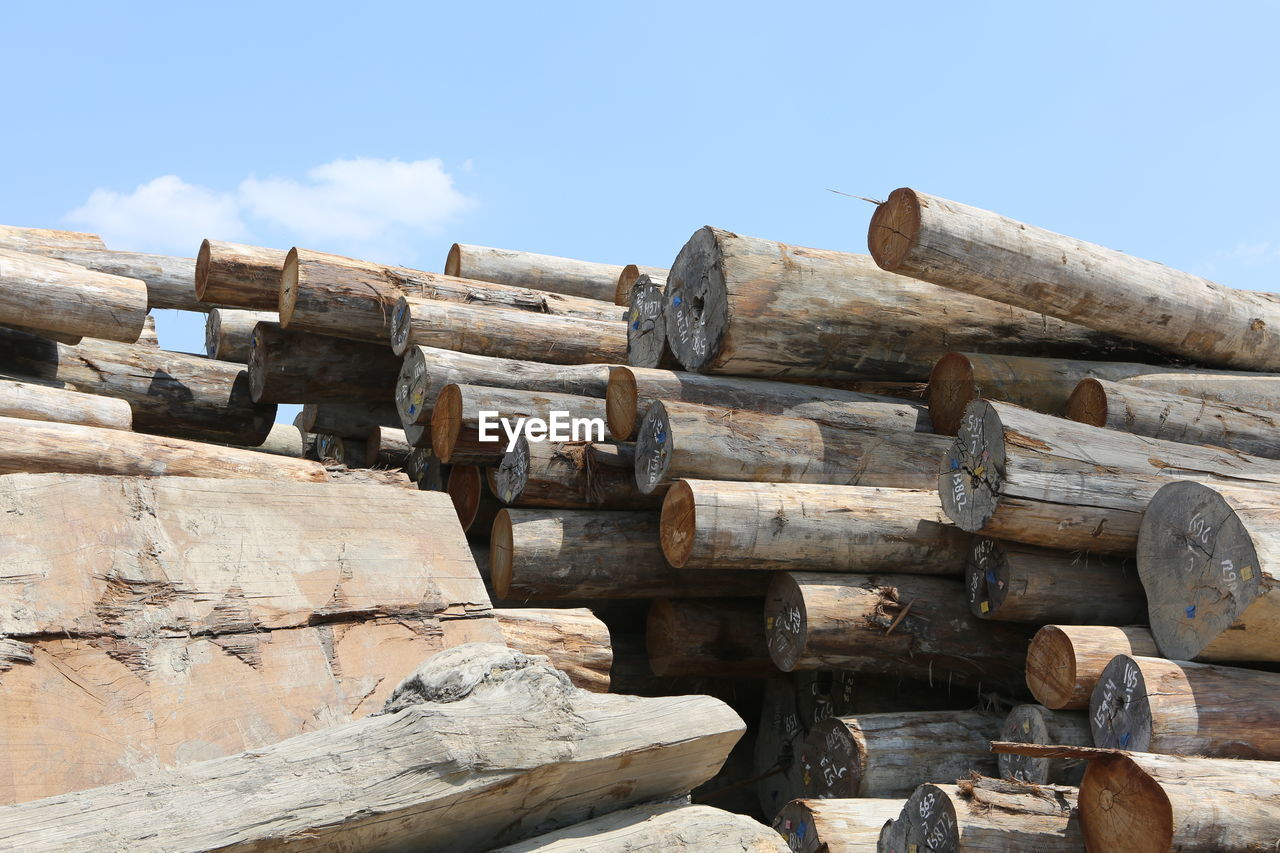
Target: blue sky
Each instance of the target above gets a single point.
(612, 131)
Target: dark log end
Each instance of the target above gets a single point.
(661, 635)
(830, 761)
(466, 489)
(1123, 808)
(621, 404)
(500, 554)
(306, 420)
(512, 474)
(796, 825)
(1119, 711)
(261, 419)
(894, 229)
(951, 389)
(986, 578)
(654, 446)
(696, 304)
(426, 470)
(212, 331)
(288, 287)
(453, 262)
(679, 525)
(785, 621)
(329, 447)
(930, 821)
(1088, 403)
(1051, 667)
(972, 472)
(401, 326)
(258, 363)
(411, 389)
(446, 422)
(202, 269)
(646, 326)
(1025, 724)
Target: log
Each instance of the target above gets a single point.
(170, 393)
(427, 370)
(284, 440)
(1255, 390)
(686, 440)
(1156, 705)
(886, 755)
(476, 506)
(37, 402)
(228, 332)
(556, 554)
(1174, 417)
(525, 335)
(1028, 477)
(910, 625)
(484, 728)
(981, 253)
(20, 239)
(1204, 557)
(835, 826)
(778, 733)
(647, 326)
(287, 366)
(630, 273)
(1021, 583)
(45, 333)
(707, 638)
(347, 419)
(658, 828)
(43, 293)
(754, 307)
(477, 425)
(981, 814)
(572, 639)
(149, 337)
(386, 447)
(569, 475)
(526, 269)
(247, 277)
(793, 526)
(1037, 724)
(168, 278)
(1065, 661)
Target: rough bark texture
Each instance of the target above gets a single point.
(1037, 724)
(1065, 661)
(835, 826)
(228, 332)
(36, 402)
(570, 475)
(287, 366)
(984, 254)
(526, 269)
(573, 639)
(456, 435)
(247, 277)
(486, 732)
(659, 828)
(44, 293)
(711, 638)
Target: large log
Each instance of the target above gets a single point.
(477, 425)
(981, 253)
(687, 440)
(525, 335)
(527, 269)
(168, 278)
(659, 828)
(753, 307)
(1255, 390)
(39, 402)
(247, 277)
(556, 554)
(1022, 583)
(1037, 724)
(1065, 661)
(794, 526)
(21, 239)
(1020, 475)
(573, 639)
(910, 625)
(1205, 558)
(886, 755)
(628, 277)
(287, 366)
(835, 826)
(228, 332)
(488, 732)
(569, 475)
(707, 638)
(647, 326)
(44, 293)
(284, 440)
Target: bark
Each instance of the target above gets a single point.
(835, 826)
(792, 526)
(556, 554)
(984, 254)
(457, 437)
(711, 638)
(572, 639)
(348, 419)
(486, 731)
(659, 828)
(1037, 724)
(228, 332)
(1065, 661)
(647, 326)
(286, 366)
(753, 307)
(247, 277)
(627, 278)
(475, 504)
(62, 298)
(526, 269)
(36, 402)
(569, 475)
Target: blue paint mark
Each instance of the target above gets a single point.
(801, 831)
(1191, 612)
(636, 324)
(991, 576)
(675, 300)
(412, 408)
(955, 464)
(662, 437)
(1124, 739)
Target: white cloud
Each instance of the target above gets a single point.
(164, 215)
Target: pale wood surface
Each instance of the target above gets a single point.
(247, 277)
(228, 332)
(835, 826)
(528, 269)
(169, 279)
(572, 638)
(1064, 661)
(37, 402)
(44, 293)
(22, 239)
(659, 828)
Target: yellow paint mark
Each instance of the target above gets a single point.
(985, 606)
(1246, 572)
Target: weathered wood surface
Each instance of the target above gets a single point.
(168, 278)
(228, 332)
(1037, 724)
(557, 554)
(627, 278)
(981, 253)
(21, 239)
(1022, 583)
(674, 827)
(1029, 477)
(347, 419)
(458, 436)
(1255, 390)
(284, 440)
(43, 293)
(1065, 661)
(753, 307)
(573, 639)
(914, 626)
(569, 475)
(1207, 558)
(647, 326)
(247, 277)
(38, 402)
(794, 526)
(287, 366)
(707, 638)
(527, 269)
(149, 337)
(886, 755)
(835, 826)
(687, 440)
(488, 732)
(386, 447)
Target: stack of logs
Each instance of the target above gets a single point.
(970, 530)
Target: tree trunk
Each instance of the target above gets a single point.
(572, 639)
(1255, 390)
(886, 755)
(1204, 556)
(659, 828)
(487, 733)
(835, 826)
(1020, 583)
(708, 638)
(627, 278)
(284, 440)
(1065, 661)
(686, 440)
(427, 370)
(984, 254)
(647, 326)
(569, 475)
(286, 366)
(247, 277)
(910, 625)
(386, 447)
(1037, 724)
(228, 332)
(556, 554)
(35, 240)
(36, 402)
(792, 526)
(476, 505)
(348, 419)
(526, 269)
(500, 332)
(456, 430)
(168, 279)
(1028, 477)
(425, 469)
(43, 293)
(170, 393)
(753, 307)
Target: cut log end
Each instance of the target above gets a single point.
(512, 474)
(446, 422)
(931, 820)
(211, 329)
(501, 549)
(626, 278)
(1025, 724)
(288, 287)
(1119, 711)
(678, 528)
(696, 302)
(972, 471)
(653, 449)
(646, 326)
(986, 578)
(453, 262)
(621, 404)
(257, 365)
(401, 327)
(1123, 808)
(466, 489)
(1088, 403)
(894, 229)
(202, 270)
(832, 761)
(1051, 667)
(786, 622)
(951, 389)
